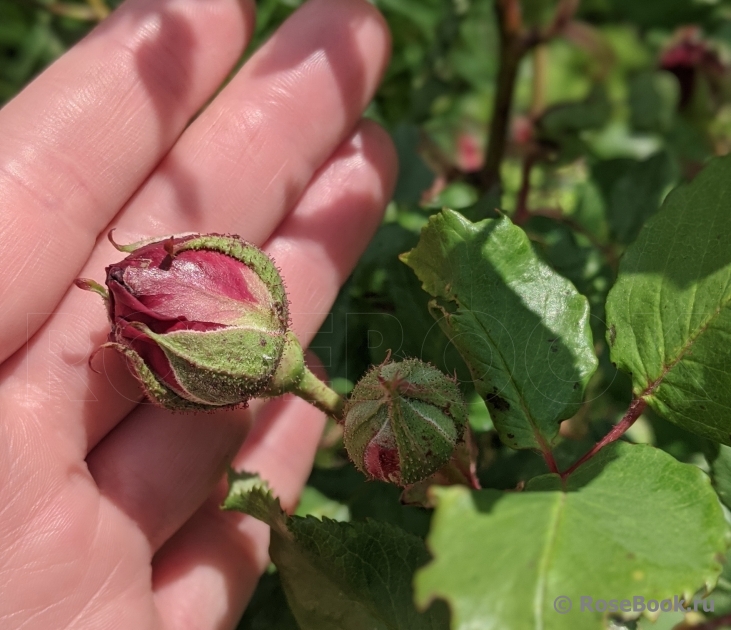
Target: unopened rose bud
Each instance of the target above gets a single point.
(201, 319)
(403, 421)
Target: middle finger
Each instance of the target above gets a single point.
(239, 167)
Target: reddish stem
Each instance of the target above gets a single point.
(512, 49)
(618, 430)
(522, 213)
(714, 624)
(515, 41)
(551, 462)
(547, 454)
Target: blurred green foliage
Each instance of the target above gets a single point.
(631, 98)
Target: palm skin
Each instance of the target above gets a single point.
(109, 511)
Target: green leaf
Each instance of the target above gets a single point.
(718, 457)
(414, 175)
(572, 117)
(539, 13)
(653, 100)
(423, 14)
(668, 14)
(340, 576)
(563, 124)
(669, 313)
(632, 191)
(722, 592)
(250, 494)
(457, 195)
(370, 321)
(315, 503)
(522, 329)
(608, 534)
(268, 609)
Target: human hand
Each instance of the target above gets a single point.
(109, 514)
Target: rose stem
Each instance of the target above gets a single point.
(315, 392)
(635, 411)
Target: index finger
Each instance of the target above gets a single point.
(85, 134)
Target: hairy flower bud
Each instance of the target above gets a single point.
(202, 319)
(403, 421)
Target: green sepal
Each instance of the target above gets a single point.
(133, 247)
(426, 436)
(155, 390)
(220, 367)
(87, 284)
(412, 405)
(291, 369)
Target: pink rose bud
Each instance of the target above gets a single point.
(403, 421)
(201, 319)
